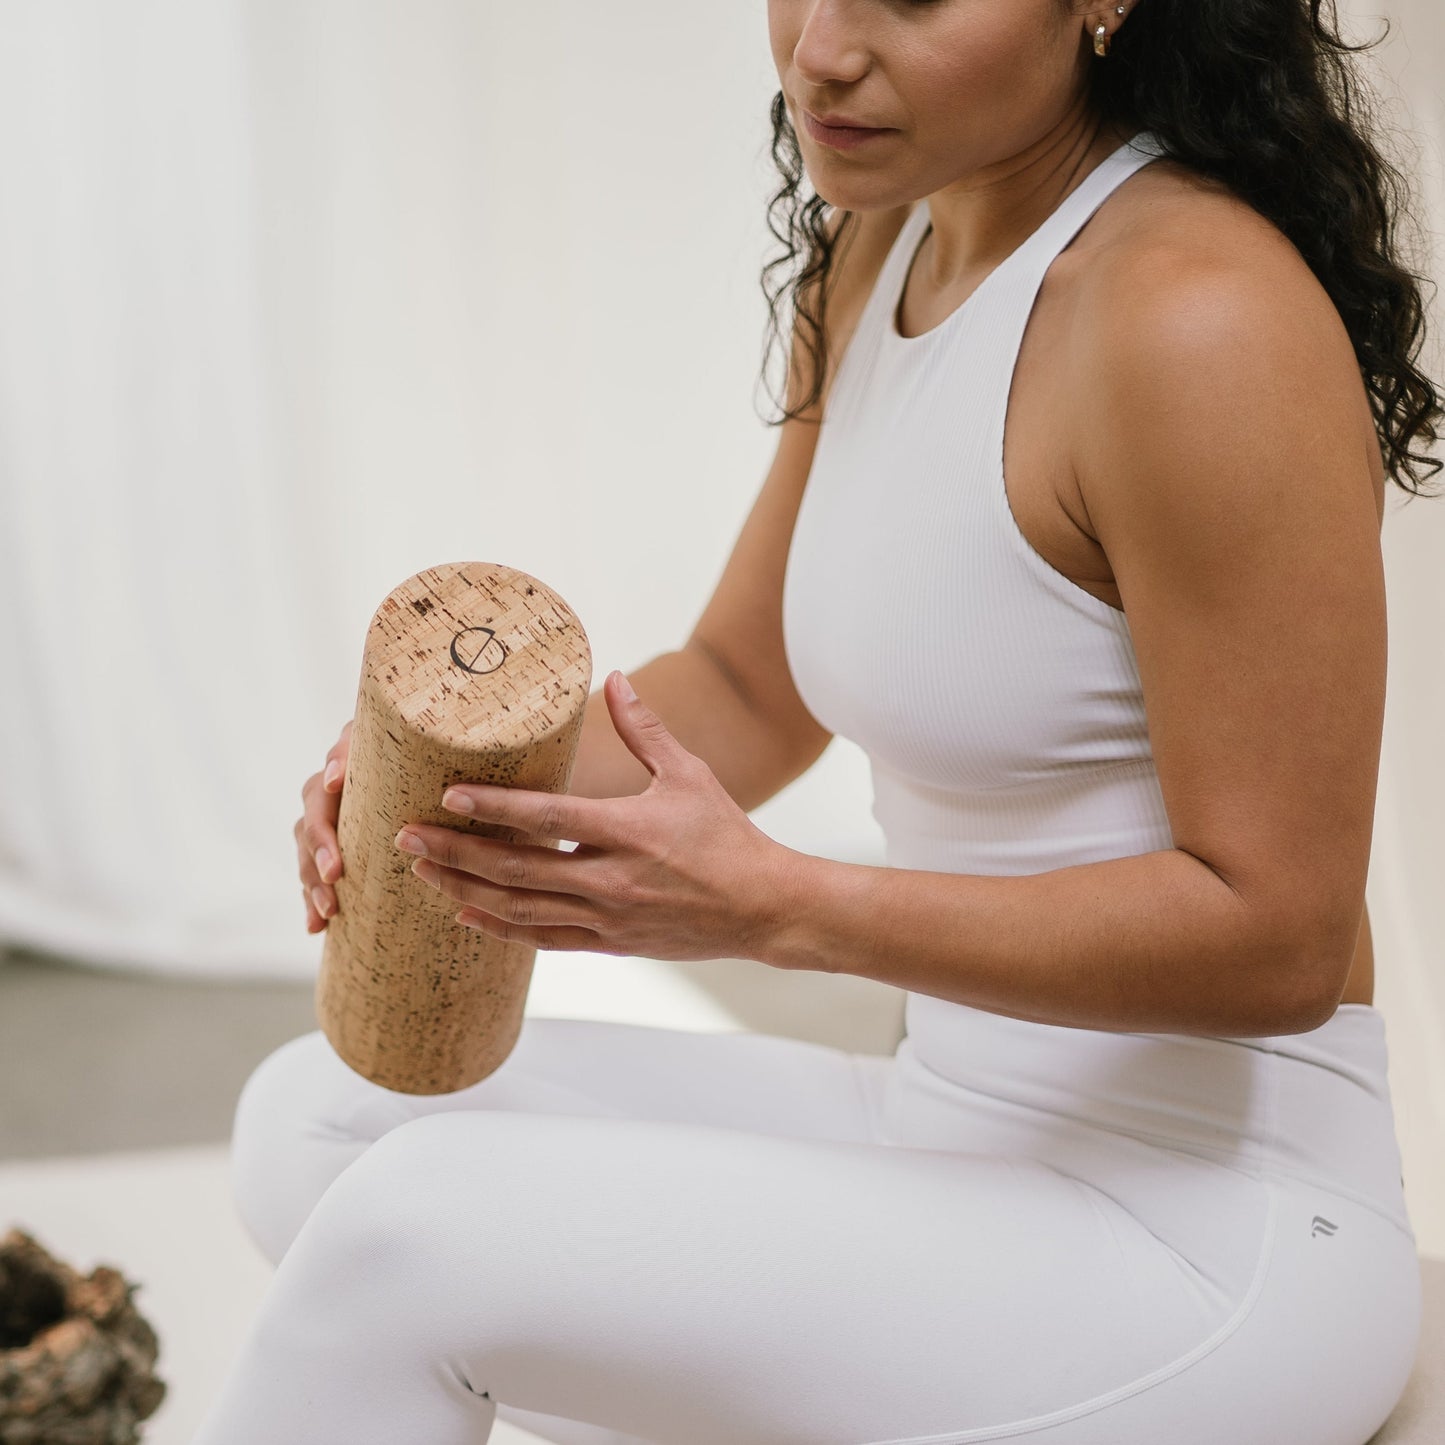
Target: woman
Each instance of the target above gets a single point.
(1132, 1175)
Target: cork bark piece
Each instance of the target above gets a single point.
(77, 1360)
(472, 672)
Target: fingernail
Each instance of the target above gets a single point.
(410, 843)
(333, 771)
(625, 687)
(322, 902)
(456, 802)
(325, 862)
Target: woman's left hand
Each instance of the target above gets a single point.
(677, 871)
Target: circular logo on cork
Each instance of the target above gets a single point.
(478, 650)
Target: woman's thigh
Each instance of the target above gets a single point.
(682, 1282)
(304, 1115)
(705, 1237)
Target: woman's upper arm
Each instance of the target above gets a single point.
(1224, 466)
(741, 629)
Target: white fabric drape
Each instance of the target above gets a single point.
(300, 296)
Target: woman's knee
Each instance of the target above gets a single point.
(278, 1075)
(289, 1139)
(404, 1208)
(278, 1095)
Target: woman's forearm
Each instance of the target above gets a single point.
(707, 715)
(1154, 943)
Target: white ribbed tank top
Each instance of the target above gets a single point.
(998, 702)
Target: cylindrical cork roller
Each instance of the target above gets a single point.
(473, 673)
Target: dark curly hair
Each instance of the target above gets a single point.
(1262, 95)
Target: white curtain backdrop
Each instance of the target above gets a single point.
(298, 297)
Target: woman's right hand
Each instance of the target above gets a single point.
(317, 848)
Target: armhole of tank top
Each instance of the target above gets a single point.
(1031, 557)
(1106, 611)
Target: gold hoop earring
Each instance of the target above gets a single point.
(1101, 38)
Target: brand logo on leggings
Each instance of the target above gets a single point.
(478, 650)
(1321, 1225)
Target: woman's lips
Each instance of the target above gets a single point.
(840, 137)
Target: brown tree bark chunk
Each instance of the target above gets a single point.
(77, 1359)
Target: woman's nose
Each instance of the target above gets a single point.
(830, 47)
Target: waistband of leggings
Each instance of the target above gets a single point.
(1313, 1107)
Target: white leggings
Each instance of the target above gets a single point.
(739, 1239)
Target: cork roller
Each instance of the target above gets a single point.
(472, 673)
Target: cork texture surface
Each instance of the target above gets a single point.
(472, 672)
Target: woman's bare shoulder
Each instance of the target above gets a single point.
(1188, 289)
(1167, 225)
(1184, 270)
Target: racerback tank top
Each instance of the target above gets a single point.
(998, 702)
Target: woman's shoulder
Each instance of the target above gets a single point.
(1209, 309)
(1174, 240)
(1184, 273)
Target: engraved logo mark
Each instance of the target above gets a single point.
(1321, 1225)
(478, 650)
